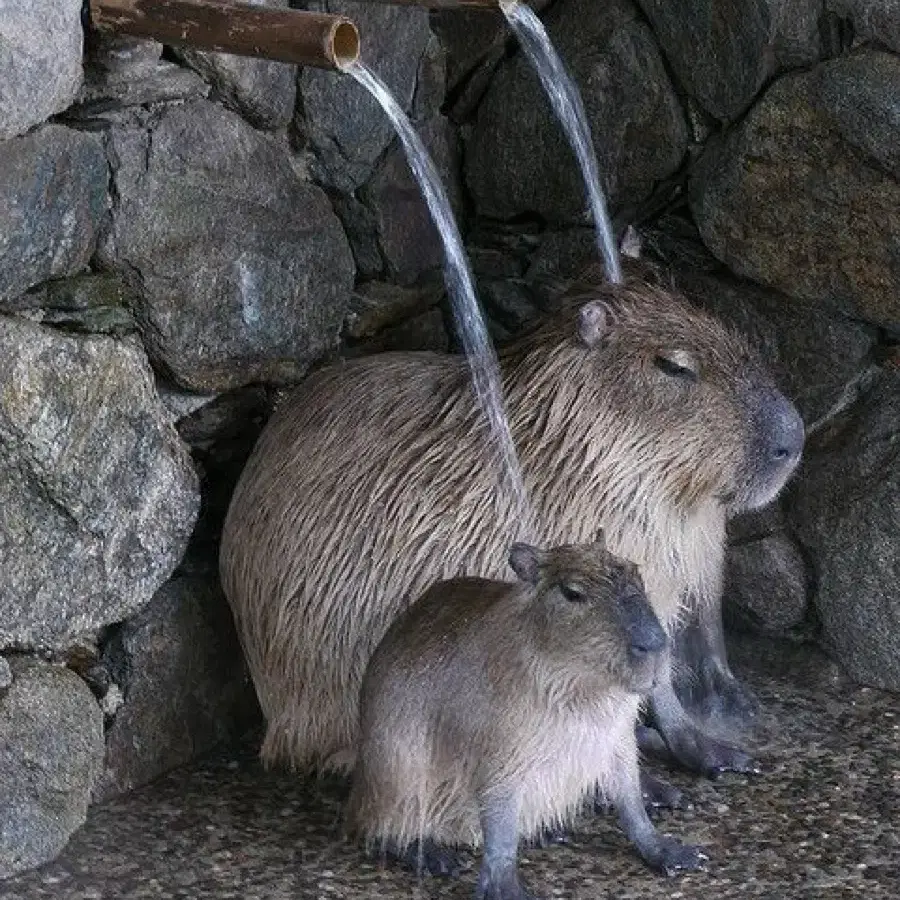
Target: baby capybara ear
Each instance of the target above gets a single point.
(526, 562)
(595, 320)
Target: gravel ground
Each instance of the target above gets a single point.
(820, 822)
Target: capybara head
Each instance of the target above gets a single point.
(689, 408)
(592, 613)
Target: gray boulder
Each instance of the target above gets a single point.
(40, 61)
(846, 509)
(723, 50)
(243, 270)
(872, 20)
(341, 122)
(52, 200)
(766, 584)
(260, 89)
(815, 352)
(98, 496)
(51, 753)
(409, 241)
(179, 667)
(518, 159)
(804, 195)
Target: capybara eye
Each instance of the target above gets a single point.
(677, 364)
(573, 595)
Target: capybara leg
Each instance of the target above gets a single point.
(662, 854)
(692, 747)
(706, 684)
(499, 876)
(425, 856)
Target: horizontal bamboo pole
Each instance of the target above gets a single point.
(293, 36)
(444, 4)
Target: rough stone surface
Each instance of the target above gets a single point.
(819, 823)
(52, 199)
(518, 159)
(97, 493)
(89, 303)
(377, 305)
(814, 352)
(846, 507)
(872, 20)
(723, 50)
(715, 47)
(6, 676)
(410, 242)
(342, 123)
(766, 584)
(179, 666)
(260, 89)
(40, 61)
(51, 752)
(804, 195)
(243, 269)
(221, 433)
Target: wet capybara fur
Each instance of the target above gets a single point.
(632, 412)
(490, 710)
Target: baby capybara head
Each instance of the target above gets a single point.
(684, 403)
(591, 613)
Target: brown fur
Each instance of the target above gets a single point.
(375, 478)
(487, 687)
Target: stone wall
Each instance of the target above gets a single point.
(184, 232)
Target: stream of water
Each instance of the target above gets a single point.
(567, 104)
(467, 314)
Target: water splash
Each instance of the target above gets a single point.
(458, 276)
(567, 104)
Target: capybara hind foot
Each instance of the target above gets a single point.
(551, 835)
(425, 857)
(705, 754)
(670, 857)
(719, 695)
(502, 885)
(659, 794)
(656, 794)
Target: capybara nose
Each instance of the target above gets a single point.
(645, 634)
(788, 433)
(647, 639)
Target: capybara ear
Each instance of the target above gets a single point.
(526, 562)
(594, 322)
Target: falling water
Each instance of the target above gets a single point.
(469, 321)
(566, 102)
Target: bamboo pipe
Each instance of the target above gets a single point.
(475, 5)
(445, 4)
(294, 36)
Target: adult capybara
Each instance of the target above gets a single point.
(632, 412)
(491, 710)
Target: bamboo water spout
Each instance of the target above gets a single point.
(485, 5)
(311, 39)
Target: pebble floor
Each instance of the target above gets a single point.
(822, 821)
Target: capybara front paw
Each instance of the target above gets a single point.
(673, 857)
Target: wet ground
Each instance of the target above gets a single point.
(822, 822)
